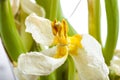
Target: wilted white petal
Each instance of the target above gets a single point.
(89, 60)
(29, 7)
(115, 63)
(22, 76)
(15, 5)
(40, 28)
(50, 52)
(36, 63)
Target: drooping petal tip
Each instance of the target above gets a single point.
(40, 28)
(38, 63)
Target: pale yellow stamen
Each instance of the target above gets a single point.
(60, 33)
(62, 41)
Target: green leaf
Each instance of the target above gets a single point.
(113, 29)
(8, 31)
(71, 69)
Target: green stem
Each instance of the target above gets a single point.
(94, 18)
(52, 76)
(50, 7)
(25, 37)
(71, 69)
(62, 72)
(53, 9)
(8, 31)
(113, 29)
(43, 78)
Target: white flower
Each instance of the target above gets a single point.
(44, 62)
(84, 49)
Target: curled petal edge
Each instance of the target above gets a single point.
(40, 28)
(37, 63)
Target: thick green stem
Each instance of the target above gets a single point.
(8, 31)
(113, 28)
(94, 18)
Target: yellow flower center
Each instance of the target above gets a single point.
(64, 42)
(74, 44)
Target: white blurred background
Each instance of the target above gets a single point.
(79, 19)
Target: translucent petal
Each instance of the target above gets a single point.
(89, 60)
(22, 76)
(29, 7)
(40, 28)
(37, 63)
